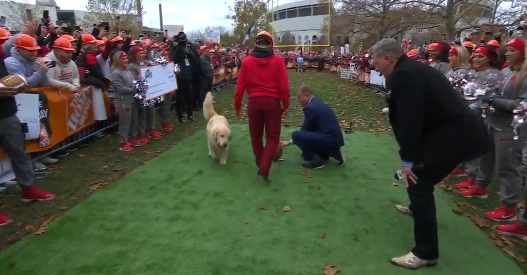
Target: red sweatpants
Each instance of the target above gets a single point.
(264, 113)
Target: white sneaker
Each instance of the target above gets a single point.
(47, 160)
(37, 167)
(386, 110)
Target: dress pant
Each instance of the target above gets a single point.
(423, 207)
(184, 99)
(196, 92)
(264, 113)
(311, 143)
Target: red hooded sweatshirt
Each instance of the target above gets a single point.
(263, 74)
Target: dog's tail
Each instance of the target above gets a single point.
(208, 107)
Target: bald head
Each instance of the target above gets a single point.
(304, 95)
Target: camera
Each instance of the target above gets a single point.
(181, 39)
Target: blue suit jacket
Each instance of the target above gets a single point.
(319, 118)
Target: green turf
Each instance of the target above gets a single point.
(182, 213)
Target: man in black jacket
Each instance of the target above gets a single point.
(13, 142)
(196, 76)
(184, 98)
(435, 130)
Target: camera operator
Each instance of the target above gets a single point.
(180, 55)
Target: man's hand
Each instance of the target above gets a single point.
(43, 66)
(409, 176)
(286, 143)
(284, 114)
(238, 115)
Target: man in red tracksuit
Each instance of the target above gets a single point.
(264, 77)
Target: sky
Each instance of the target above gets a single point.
(193, 14)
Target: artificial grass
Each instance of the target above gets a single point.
(183, 213)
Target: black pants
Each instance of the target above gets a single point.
(184, 98)
(423, 207)
(196, 91)
(206, 86)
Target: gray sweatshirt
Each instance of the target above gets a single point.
(440, 66)
(122, 85)
(460, 71)
(511, 95)
(135, 70)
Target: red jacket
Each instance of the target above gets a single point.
(262, 74)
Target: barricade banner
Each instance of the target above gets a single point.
(62, 114)
(54, 115)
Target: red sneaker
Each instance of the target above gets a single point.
(514, 230)
(167, 127)
(154, 134)
(502, 214)
(126, 147)
(4, 219)
(466, 184)
(35, 194)
(458, 172)
(135, 142)
(143, 140)
(475, 192)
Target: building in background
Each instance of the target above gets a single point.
(173, 29)
(302, 19)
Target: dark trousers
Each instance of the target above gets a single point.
(184, 99)
(196, 92)
(423, 207)
(206, 86)
(264, 113)
(311, 144)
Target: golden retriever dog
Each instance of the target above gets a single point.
(218, 131)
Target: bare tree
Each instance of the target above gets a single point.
(19, 12)
(460, 15)
(377, 18)
(122, 14)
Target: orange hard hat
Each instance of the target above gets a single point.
(4, 34)
(494, 43)
(88, 39)
(24, 41)
(132, 43)
(468, 44)
(264, 35)
(117, 39)
(69, 37)
(63, 44)
(104, 39)
(99, 42)
(412, 53)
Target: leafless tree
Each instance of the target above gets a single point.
(19, 12)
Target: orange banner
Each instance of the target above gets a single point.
(62, 115)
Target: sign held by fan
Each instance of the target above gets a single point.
(161, 80)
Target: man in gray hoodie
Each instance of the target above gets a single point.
(207, 70)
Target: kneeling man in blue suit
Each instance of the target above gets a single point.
(320, 137)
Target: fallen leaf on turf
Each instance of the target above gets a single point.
(105, 166)
(457, 211)
(324, 235)
(465, 204)
(263, 208)
(445, 187)
(395, 184)
(274, 214)
(286, 209)
(330, 270)
(44, 226)
(29, 229)
(479, 222)
(319, 187)
(307, 175)
(245, 222)
(247, 235)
